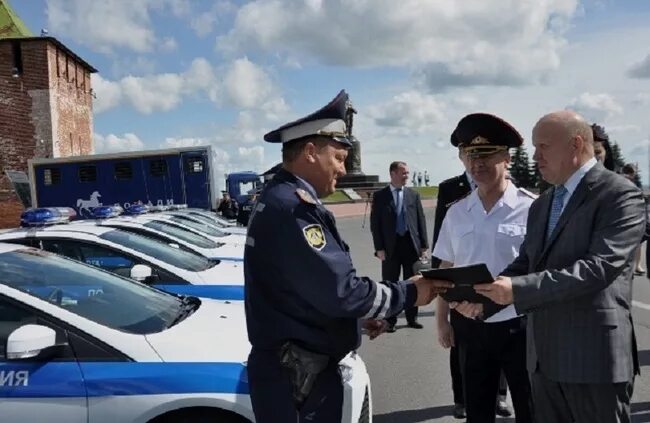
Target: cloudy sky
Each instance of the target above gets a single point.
(190, 72)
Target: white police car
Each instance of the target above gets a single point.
(78, 344)
(173, 233)
(211, 218)
(195, 225)
(132, 255)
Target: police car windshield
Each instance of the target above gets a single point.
(204, 219)
(99, 296)
(182, 234)
(176, 257)
(213, 220)
(199, 226)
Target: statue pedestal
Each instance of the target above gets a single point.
(359, 181)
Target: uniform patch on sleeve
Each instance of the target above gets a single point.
(315, 236)
(305, 196)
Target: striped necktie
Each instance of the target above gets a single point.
(556, 209)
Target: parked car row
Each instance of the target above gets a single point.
(132, 318)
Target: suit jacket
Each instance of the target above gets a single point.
(383, 219)
(577, 287)
(449, 191)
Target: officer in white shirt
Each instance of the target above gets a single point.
(488, 226)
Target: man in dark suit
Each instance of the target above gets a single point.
(399, 232)
(573, 278)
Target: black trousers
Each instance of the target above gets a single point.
(455, 364)
(560, 402)
(271, 393)
(401, 262)
(488, 349)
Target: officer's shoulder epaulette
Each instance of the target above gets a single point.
(458, 199)
(527, 193)
(305, 196)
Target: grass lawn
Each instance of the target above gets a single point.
(339, 196)
(427, 192)
(336, 197)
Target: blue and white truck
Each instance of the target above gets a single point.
(154, 177)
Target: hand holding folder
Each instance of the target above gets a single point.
(464, 278)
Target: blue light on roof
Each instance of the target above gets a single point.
(43, 216)
(105, 212)
(137, 209)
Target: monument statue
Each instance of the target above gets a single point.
(353, 161)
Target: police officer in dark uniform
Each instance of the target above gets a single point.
(305, 305)
(247, 208)
(228, 207)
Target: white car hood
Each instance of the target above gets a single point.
(235, 230)
(216, 332)
(228, 251)
(224, 273)
(232, 239)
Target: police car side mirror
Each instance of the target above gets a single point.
(31, 341)
(141, 272)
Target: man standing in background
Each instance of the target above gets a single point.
(399, 232)
(227, 206)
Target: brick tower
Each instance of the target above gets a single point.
(45, 104)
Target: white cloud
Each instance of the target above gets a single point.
(409, 113)
(168, 44)
(640, 69)
(596, 107)
(107, 25)
(103, 25)
(452, 42)
(108, 93)
(247, 85)
(161, 92)
(203, 24)
(241, 84)
(642, 99)
(115, 144)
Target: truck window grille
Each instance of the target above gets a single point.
(87, 173)
(123, 171)
(158, 167)
(194, 165)
(52, 176)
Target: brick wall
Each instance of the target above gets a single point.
(44, 112)
(17, 124)
(71, 105)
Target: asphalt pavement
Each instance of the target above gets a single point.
(410, 371)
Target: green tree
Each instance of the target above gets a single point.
(619, 160)
(540, 183)
(520, 169)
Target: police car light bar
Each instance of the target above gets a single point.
(46, 216)
(105, 212)
(159, 208)
(137, 209)
(177, 206)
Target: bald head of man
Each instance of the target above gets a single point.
(563, 142)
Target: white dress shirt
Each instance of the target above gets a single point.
(470, 235)
(572, 183)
